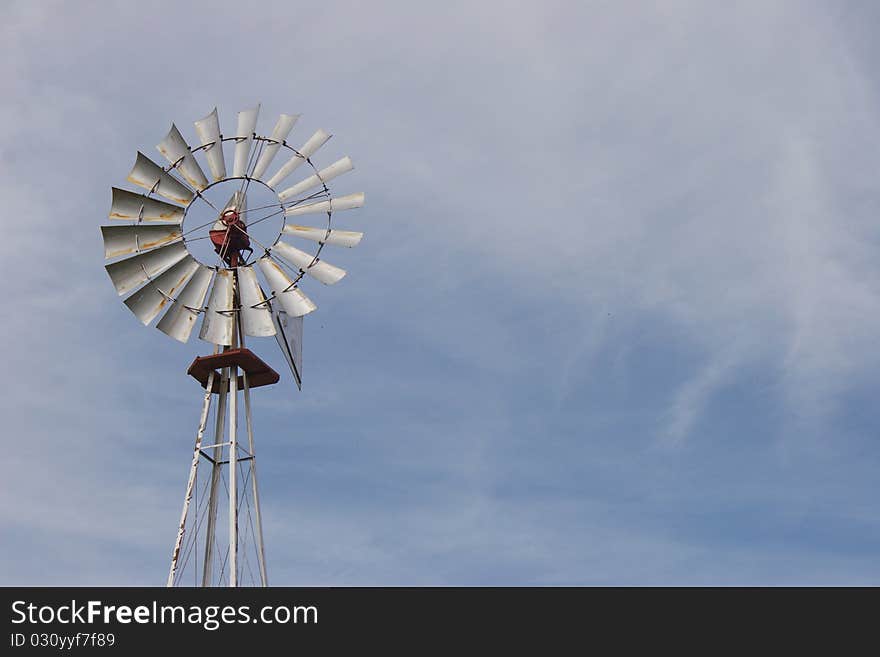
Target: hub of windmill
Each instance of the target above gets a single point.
(229, 242)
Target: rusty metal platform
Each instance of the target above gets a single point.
(258, 372)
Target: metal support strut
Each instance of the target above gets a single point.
(191, 481)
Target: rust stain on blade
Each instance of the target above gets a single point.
(275, 266)
(158, 242)
(137, 181)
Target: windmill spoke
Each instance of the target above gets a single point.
(262, 207)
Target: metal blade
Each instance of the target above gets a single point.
(148, 302)
(323, 176)
(180, 318)
(244, 137)
(149, 175)
(317, 269)
(129, 273)
(129, 205)
(348, 202)
(256, 318)
(279, 134)
(305, 152)
(289, 334)
(292, 299)
(327, 236)
(208, 130)
(175, 149)
(217, 326)
(123, 240)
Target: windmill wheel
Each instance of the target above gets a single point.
(154, 262)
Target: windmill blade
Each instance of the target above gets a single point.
(244, 137)
(129, 273)
(178, 153)
(305, 152)
(323, 176)
(325, 235)
(129, 205)
(180, 318)
(123, 240)
(149, 175)
(148, 302)
(317, 269)
(292, 299)
(217, 326)
(348, 202)
(270, 149)
(208, 130)
(256, 317)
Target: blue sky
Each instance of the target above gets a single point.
(613, 321)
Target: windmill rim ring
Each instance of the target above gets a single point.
(298, 273)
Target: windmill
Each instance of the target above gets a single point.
(183, 253)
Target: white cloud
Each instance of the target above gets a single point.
(542, 182)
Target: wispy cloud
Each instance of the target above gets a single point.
(590, 227)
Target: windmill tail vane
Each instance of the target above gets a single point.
(152, 262)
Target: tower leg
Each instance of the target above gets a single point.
(203, 421)
(233, 477)
(215, 479)
(261, 553)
